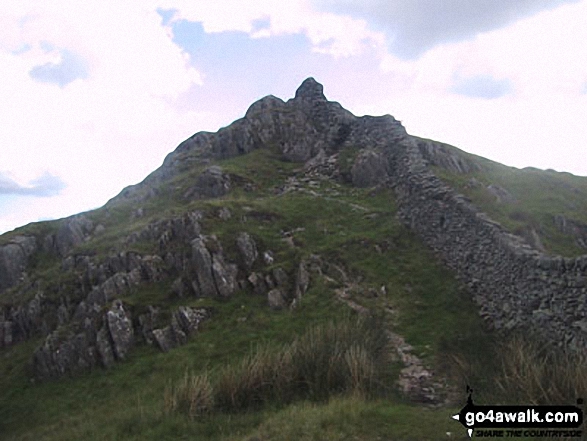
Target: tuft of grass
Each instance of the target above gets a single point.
(534, 373)
(192, 396)
(337, 358)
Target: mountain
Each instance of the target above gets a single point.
(297, 224)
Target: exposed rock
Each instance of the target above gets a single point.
(416, 381)
(213, 275)
(184, 323)
(302, 281)
(73, 349)
(147, 323)
(276, 299)
(247, 249)
(435, 153)
(179, 229)
(224, 276)
(212, 183)
(369, 169)
(14, 259)
(224, 214)
(104, 347)
(181, 287)
(576, 229)
(532, 237)
(501, 194)
(164, 338)
(281, 278)
(311, 91)
(268, 257)
(120, 329)
(202, 265)
(258, 282)
(72, 232)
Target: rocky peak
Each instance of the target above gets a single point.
(310, 90)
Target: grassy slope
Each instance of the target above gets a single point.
(539, 195)
(343, 224)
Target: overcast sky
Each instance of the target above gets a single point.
(95, 94)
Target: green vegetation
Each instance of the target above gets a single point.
(344, 357)
(538, 196)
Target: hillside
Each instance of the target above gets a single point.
(258, 239)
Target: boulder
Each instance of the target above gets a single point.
(212, 183)
(258, 282)
(120, 329)
(185, 322)
(224, 276)
(276, 299)
(247, 249)
(202, 266)
(104, 347)
(302, 281)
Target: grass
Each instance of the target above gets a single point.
(538, 197)
(350, 356)
(533, 373)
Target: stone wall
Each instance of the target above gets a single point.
(515, 286)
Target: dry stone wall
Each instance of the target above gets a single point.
(515, 286)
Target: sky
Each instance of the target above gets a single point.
(95, 94)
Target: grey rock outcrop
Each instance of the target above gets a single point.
(178, 229)
(185, 322)
(120, 330)
(21, 322)
(247, 249)
(435, 153)
(212, 275)
(14, 259)
(73, 231)
(302, 281)
(501, 194)
(577, 230)
(70, 350)
(277, 299)
(212, 183)
(369, 169)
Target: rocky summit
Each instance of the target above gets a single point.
(296, 214)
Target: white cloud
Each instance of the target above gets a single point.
(337, 35)
(99, 129)
(415, 26)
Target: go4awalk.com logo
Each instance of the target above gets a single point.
(520, 421)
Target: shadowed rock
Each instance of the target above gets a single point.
(14, 259)
(247, 249)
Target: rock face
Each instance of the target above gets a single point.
(247, 249)
(14, 258)
(72, 232)
(213, 276)
(369, 169)
(184, 323)
(67, 351)
(501, 194)
(434, 153)
(575, 229)
(212, 183)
